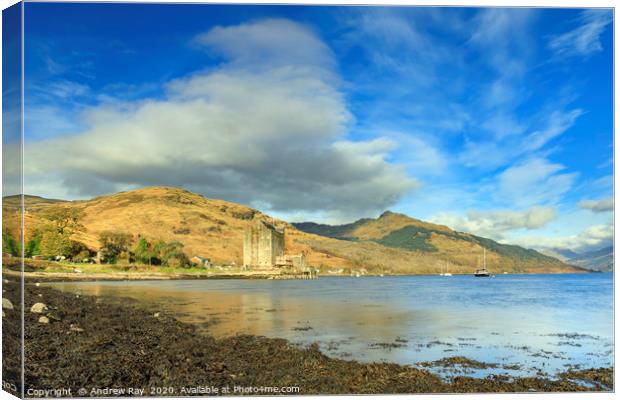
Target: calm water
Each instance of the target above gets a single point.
(542, 323)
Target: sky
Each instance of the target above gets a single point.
(494, 121)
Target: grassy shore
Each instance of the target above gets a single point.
(56, 271)
(89, 343)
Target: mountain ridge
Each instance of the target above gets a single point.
(214, 228)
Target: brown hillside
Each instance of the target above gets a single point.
(214, 228)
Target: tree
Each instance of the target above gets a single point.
(144, 252)
(113, 244)
(55, 244)
(65, 220)
(9, 245)
(172, 255)
(54, 239)
(33, 247)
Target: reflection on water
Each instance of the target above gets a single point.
(543, 323)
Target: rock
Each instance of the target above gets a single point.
(6, 304)
(44, 320)
(77, 271)
(54, 317)
(75, 328)
(38, 308)
(156, 315)
(37, 284)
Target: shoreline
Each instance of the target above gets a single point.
(43, 276)
(90, 343)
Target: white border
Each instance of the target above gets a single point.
(479, 3)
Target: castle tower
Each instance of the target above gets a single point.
(262, 243)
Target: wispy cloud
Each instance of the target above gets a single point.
(511, 140)
(534, 181)
(558, 123)
(586, 38)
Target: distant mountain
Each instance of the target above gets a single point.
(393, 243)
(597, 260)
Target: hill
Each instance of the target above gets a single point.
(399, 231)
(393, 243)
(597, 260)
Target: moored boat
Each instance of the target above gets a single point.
(482, 272)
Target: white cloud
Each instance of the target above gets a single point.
(269, 127)
(496, 224)
(591, 238)
(586, 38)
(534, 181)
(270, 42)
(598, 206)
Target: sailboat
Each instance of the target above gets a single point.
(446, 273)
(482, 273)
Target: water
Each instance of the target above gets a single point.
(526, 324)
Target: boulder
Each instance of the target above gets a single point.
(38, 308)
(44, 320)
(6, 304)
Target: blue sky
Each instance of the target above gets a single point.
(493, 121)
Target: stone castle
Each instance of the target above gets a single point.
(263, 249)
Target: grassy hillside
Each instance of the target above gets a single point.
(439, 242)
(393, 243)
